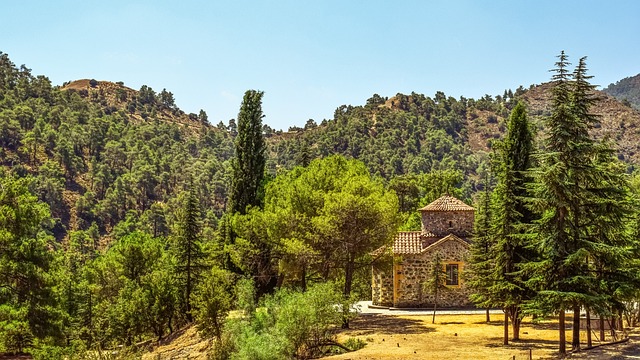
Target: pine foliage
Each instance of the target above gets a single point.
(580, 193)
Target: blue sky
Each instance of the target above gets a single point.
(309, 57)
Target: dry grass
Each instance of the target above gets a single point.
(183, 344)
(451, 337)
(412, 337)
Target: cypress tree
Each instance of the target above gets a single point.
(511, 216)
(248, 165)
(247, 188)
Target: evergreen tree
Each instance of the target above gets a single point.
(580, 199)
(436, 283)
(606, 212)
(189, 255)
(481, 262)
(510, 250)
(247, 182)
(248, 165)
(26, 299)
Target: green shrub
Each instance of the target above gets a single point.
(355, 343)
(213, 300)
(287, 325)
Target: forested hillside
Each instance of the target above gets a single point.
(101, 152)
(626, 90)
(123, 219)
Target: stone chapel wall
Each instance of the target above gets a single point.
(416, 271)
(382, 286)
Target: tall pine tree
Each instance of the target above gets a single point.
(26, 298)
(188, 251)
(580, 199)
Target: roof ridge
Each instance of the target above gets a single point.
(447, 203)
(450, 236)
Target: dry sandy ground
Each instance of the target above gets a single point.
(184, 344)
(411, 337)
(460, 337)
(628, 350)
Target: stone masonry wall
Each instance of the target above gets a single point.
(382, 286)
(416, 270)
(443, 223)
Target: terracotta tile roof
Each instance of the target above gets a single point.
(408, 242)
(412, 242)
(379, 251)
(415, 242)
(447, 203)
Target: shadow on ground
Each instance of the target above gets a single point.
(526, 345)
(382, 324)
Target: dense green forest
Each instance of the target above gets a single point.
(123, 219)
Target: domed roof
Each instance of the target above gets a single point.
(447, 203)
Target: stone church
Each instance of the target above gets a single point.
(401, 281)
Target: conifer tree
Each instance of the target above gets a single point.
(248, 165)
(580, 198)
(26, 299)
(510, 216)
(606, 212)
(247, 184)
(481, 261)
(436, 283)
(188, 250)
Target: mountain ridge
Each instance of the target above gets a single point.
(626, 90)
(105, 155)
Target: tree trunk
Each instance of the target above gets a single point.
(435, 305)
(280, 280)
(563, 345)
(506, 327)
(188, 289)
(589, 342)
(488, 317)
(601, 325)
(515, 324)
(303, 279)
(514, 315)
(575, 341)
(620, 323)
(348, 275)
(348, 280)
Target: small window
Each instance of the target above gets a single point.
(452, 274)
(450, 224)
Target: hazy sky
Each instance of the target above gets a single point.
(310, 57)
